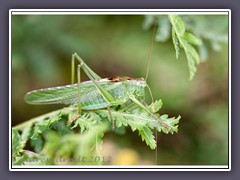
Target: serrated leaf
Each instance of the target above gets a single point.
(27, 131)
(177, 24)
(16, 142)
(192, 39)
(155, 106)
(192, 57)
(184, 39)
(175, 43)
(87, 121)
(139, 119)
(190, 50)
(171, 122)
(41, 126)
(191, 66)
(147, 136)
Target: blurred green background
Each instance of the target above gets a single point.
(118, 45)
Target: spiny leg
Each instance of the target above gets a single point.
(93, 76)
(85, 66)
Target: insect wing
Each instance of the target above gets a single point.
(54, 95)
(65, 94)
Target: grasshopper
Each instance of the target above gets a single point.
(97, 93)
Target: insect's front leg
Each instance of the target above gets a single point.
(79, 88)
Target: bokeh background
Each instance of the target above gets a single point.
(119, 45)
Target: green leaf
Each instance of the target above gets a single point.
(189, 37)
(175, 43)
(155, 106)
(27, 132)
(45, 124)
(177, 24)
(92, 126)
(87, 121)
(16, 142)
(191, 66)
(139, 119)
(147, 136)
(190, 50)
(184, 39)
(171, 122)
(18, 160)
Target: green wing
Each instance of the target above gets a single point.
(65, 94)
(54, 95)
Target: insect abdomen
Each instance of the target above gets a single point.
(94, 100)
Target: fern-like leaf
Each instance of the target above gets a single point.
(185, 39)
(147, 136)
(141, 120)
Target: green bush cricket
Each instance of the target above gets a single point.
(95, 94)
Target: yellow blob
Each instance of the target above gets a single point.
(126, 157)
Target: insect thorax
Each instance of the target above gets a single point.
(136, 87)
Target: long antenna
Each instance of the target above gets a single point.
(148, 67)
(150, 52)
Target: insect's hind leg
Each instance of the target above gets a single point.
(136, 101)
(93, 76)
(85, 67)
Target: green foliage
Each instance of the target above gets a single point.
(51, 137)
(183, 39)
(16, 142)
(192, 34)
(139, 119)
